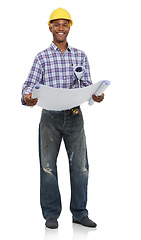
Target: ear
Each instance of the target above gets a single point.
(50, 28)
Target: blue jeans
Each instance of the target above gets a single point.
(55, 126)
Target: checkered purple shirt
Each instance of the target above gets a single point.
(53, 68)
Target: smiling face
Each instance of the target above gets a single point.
(60, 29)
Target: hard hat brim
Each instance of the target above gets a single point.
(71, 22)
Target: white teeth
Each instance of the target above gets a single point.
(60, 33)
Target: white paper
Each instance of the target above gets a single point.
(59, 99)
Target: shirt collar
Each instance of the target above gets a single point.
(54, 47)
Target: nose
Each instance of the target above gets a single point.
(61, 27)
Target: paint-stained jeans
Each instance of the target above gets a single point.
(55, 126)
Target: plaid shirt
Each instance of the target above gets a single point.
(53, 68)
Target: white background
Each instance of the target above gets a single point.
(109, 33)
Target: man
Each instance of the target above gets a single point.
(54, 67)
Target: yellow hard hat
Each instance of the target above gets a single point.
(60, 13)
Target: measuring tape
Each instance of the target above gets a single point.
(75, 111)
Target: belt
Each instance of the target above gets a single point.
(74, 110)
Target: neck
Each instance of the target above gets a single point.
(61, 45)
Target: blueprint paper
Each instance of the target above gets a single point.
(59, 99)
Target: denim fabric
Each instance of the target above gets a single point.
(55, 126)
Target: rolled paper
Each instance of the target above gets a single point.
(36, 90)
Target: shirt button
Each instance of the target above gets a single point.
(64, 77)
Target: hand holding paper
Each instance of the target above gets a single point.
(29, 100)
(97, 99)
(102, 87)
